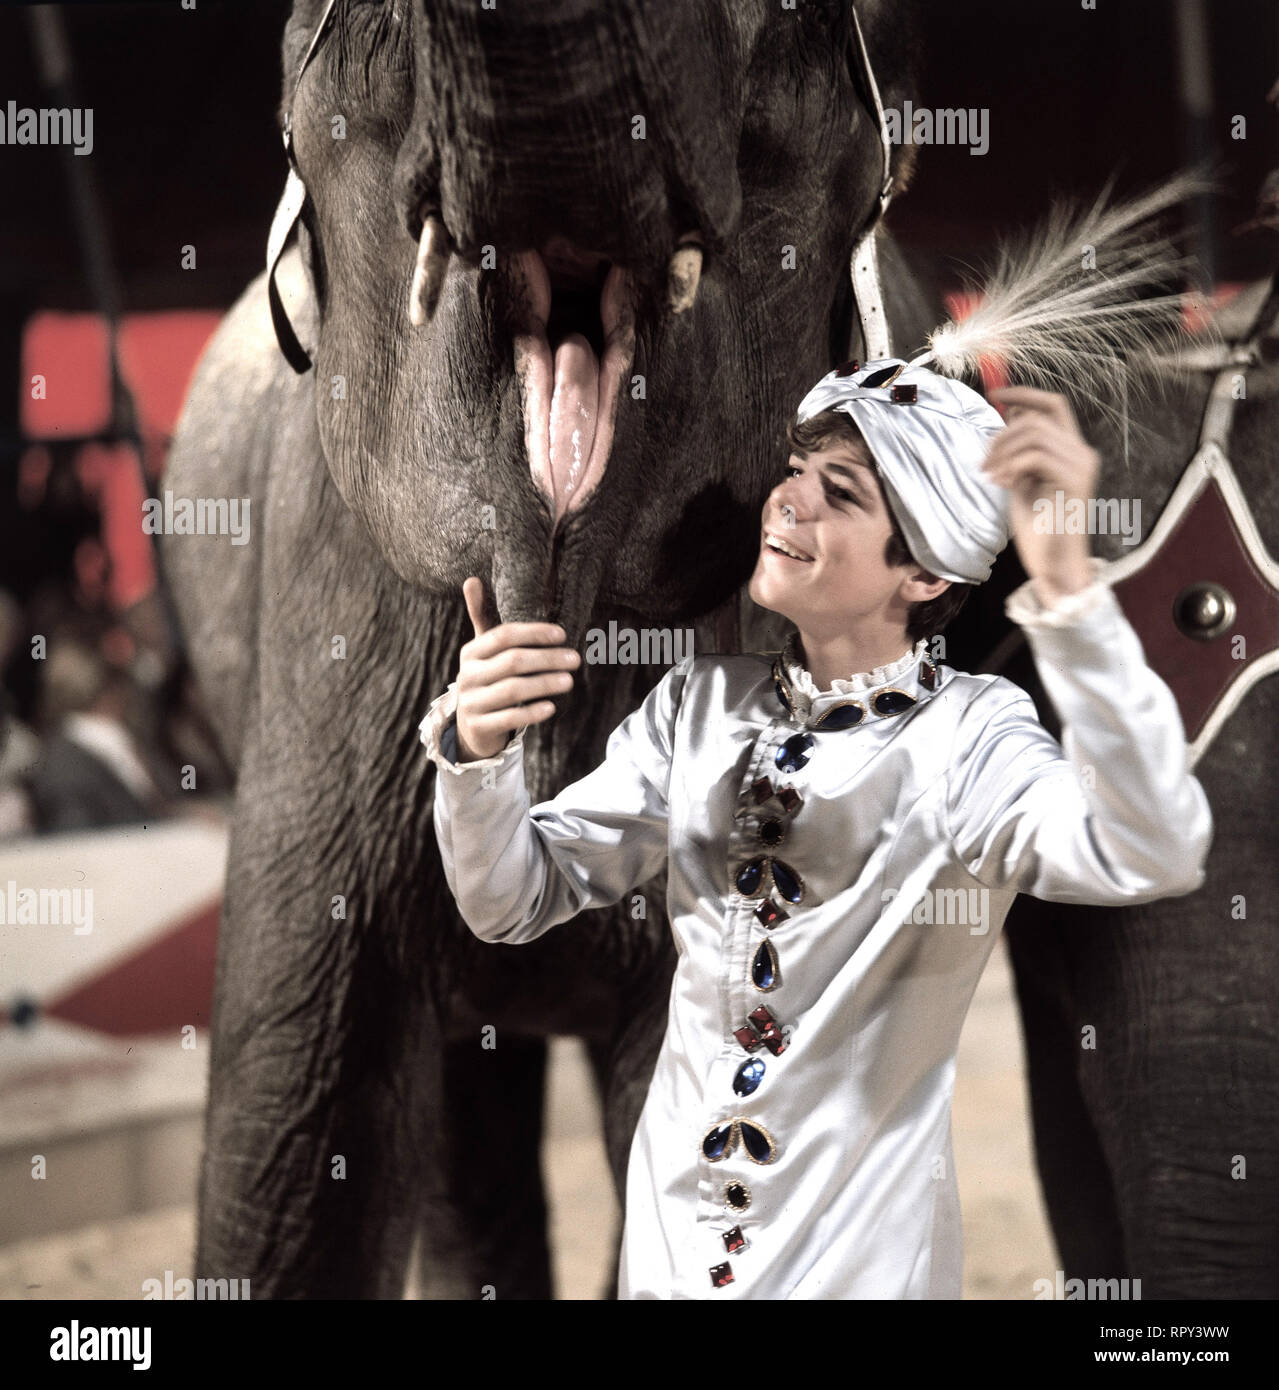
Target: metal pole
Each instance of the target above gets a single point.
(1195, 92)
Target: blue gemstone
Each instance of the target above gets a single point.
(892, 702)
(793, 754)
(764, 966)
(756, 1142)
(879, 378)
(787, 881)
(716, 1142)
(842, 717)
(748, 877)
(748, 1077)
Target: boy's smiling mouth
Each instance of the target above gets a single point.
(778, 546)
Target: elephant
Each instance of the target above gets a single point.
(511, 214)
(1152, 1032)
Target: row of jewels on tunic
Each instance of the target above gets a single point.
(762, 877)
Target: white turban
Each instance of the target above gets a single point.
(929, 455)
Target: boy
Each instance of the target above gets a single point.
(823, 813)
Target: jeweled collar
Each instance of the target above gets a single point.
(866, 698)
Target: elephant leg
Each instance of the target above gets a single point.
(325, 1086)
(1194, 1166)
(1188, 1105)
(484, 1233)
(1153, 1147)
(1073, 1169)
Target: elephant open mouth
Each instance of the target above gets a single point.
(574, 319)
(572, 314)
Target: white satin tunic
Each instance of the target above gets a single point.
(913, 833)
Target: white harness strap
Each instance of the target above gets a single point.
(864, 265)
(1236, 358)
(870, 297)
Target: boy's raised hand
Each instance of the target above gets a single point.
(1039, 453)
(500, 667)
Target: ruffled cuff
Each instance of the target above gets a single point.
(1027, 610)
(438, 732)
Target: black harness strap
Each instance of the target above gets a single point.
(284, 224)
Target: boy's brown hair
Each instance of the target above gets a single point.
(923, 619)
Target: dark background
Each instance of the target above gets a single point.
(186, 147)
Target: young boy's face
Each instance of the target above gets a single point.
(830, 508)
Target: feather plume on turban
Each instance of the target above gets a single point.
(1085, 303)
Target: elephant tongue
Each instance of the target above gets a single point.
(574, 415)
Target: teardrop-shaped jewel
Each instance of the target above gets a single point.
(793, 754)
(749, 876)
(787, 881)
(892, 702)
(764, 967)
(748, 1077)
(758, 1144)
(881, 377)
(716, 1142)
(842, 717)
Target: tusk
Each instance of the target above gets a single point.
(683, 276)
(429, 270)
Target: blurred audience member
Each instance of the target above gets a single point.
(19, 747)
(90, 771)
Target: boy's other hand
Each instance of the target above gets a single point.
(1037, 455)
(501, 667)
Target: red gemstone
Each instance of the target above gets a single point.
(907, 393)
(761, 790)
(747, 1038)
(769, 1032)
(734, 1240)
(768, 914)
(848, 368)
(721, 1275)
(789, 798)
